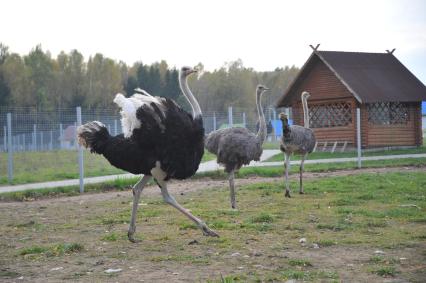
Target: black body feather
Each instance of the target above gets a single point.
(174, 138)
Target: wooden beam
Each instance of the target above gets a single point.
(390, 52)
(314, 48)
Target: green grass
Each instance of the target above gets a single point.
(51, 251)
(262, 218)
(111, 237)
(31, 167)
(299, 262)
(28, 195)
(326, 155)
(267, 171)
(265, 223)
(277, 171)
(385, 271)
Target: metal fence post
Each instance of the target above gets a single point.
(244, 119)
(230, 121)
(41, 141)
(51, 141)
(61, 143)
(35, 137)
(5, 138)
(214, 121)
(358, 135)
(80, 154)
(115, 128)
(9, 149)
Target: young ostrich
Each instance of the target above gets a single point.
(160, 141)
(297, 139)
(237, 146)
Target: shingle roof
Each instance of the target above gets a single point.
(370, 77)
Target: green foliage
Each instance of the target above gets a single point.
(69, 80)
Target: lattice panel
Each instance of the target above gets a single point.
(329, 115)
(387, 113)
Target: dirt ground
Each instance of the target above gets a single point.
(173, 254)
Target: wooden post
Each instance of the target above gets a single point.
(334, 147)
(314, 48)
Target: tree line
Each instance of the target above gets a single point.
(40, 81)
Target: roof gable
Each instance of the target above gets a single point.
(369, 77)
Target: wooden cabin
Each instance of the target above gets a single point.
(388, 94)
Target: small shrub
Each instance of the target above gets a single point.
(326, 243)
(262, 218)
(299, 262)
(112, 237)
(376, 259)
(33, 250)
(385, 271)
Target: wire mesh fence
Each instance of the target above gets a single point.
(43, 144)
(39, 146)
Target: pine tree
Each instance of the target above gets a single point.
(130, 86)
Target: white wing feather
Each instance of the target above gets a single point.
(129, 106)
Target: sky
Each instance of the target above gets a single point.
(264, 34)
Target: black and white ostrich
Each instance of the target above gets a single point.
(160, 141)
(235, 147)
(297, 139)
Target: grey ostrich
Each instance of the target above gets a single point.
(297, 139)
(237, 146)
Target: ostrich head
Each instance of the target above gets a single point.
(283, 116)
(305, 95)
(186, 71)
(261, 89)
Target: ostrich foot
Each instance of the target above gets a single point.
(301, 192)
(287, 194)
(208, 232)
(130, 236)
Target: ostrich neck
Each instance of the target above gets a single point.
(305, 112)
(183, 82)
(261, 134)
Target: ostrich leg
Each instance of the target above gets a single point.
(287, 167)
(302, 168)
(232, 189)
(170, 200)
(137, 190)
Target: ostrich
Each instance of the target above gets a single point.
(160, 140)
(237, 146)
(297, 139)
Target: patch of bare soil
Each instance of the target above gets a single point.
(165, 255)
